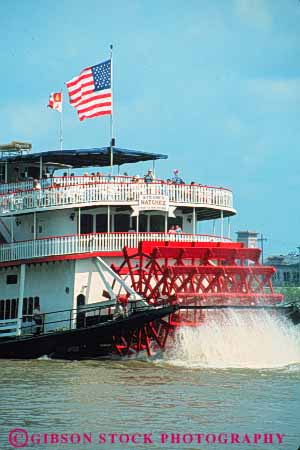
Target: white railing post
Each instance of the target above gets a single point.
(21, 296)
(222, 223)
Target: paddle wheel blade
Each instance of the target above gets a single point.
(199, 274)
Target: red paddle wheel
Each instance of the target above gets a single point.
(203, 275)
(140, 340)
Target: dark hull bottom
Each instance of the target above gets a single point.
(94, 342)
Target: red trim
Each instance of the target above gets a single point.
(58, 258)
(133, 250)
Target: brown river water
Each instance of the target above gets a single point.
(234, 384)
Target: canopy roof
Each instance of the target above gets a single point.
(97, 157)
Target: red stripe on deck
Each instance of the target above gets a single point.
(58, 258)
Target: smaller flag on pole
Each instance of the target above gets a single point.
(55, 101)
(90, 92)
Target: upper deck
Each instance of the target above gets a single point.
(84, 191)
(31, 186)
(43, 214)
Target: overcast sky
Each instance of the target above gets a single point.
(214, 84)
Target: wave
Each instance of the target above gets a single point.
(237, 339)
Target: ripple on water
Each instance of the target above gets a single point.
(195, 388)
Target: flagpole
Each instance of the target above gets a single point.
(112, 140)
(61, 124)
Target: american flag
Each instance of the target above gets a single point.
(90, 92)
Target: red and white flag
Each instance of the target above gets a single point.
(90, 92)
(55, 101)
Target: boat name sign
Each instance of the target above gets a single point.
(154, 202)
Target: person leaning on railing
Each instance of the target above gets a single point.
(121, 309)
(38, 320)
(149, 177)
(172, 230)
(36, 185)
(136, 179)
(178, 229)
(177, 179)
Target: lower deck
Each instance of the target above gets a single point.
(209, 272)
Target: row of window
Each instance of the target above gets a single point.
(9, 307)
(122, 223)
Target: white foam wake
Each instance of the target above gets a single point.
(238, 339)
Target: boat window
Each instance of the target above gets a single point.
(142, 223)
(122, 222)
(174, 221)
(80, 300)
(86, 223)
(24, 310)
(2, 308)
(33, 172)
(101, 223)
(157, 224)
(12, 279)
(8, 309)
(2, 173)
(28, 306)
(14, 308)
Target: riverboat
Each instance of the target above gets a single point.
(72, 242)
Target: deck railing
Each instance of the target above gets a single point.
(8, 188)
(8, 327)
(88, 243)
(110, 193)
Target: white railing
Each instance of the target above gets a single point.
(94, 242)
(118, 193)
(9, 327)
(9, 188)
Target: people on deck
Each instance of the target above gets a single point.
(121, 309)
(178, 229)
(176, 178)
(38, 320)
(172, 230)
(36, 185)
(149, 177)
